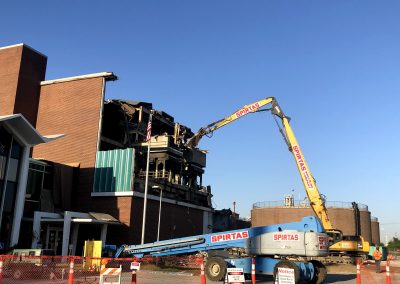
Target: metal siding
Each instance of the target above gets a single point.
(114, 170)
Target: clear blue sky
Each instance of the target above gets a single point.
(334, 66)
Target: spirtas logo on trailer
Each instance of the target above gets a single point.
(286, 237)
(230, 236)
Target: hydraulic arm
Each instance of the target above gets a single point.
(316, 201)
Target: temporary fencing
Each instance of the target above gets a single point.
(82, 270)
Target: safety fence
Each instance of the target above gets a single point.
(58, 269)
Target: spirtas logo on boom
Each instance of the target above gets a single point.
(302, 166)
(229, 236)
(247, 109)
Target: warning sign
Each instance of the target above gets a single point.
(235, 275)
(285, 275)
(135, 265)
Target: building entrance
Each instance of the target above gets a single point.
(54, 239)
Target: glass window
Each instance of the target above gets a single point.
(3, 163)
(4, 141)
(10, 197)
(34, 183)
(16, 150)
(13, 170)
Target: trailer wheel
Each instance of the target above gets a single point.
(287, 264)
(320, 272)
(215, 268)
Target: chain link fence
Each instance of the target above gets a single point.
(80, 270)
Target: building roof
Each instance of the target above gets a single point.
(109, 76)
(21, 128)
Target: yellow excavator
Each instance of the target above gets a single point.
(340, 244)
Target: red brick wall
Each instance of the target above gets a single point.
(176, 221)
(21, 71)
(32, 72)
(10, 60)
(72, 108)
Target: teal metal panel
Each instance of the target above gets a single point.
(114, 170)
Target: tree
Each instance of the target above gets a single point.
(394, 244)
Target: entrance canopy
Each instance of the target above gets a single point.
(67, 218)
(25, 131)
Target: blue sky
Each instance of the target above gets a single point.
(334, 67)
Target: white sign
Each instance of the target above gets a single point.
(235, 275)
(285, 275)
(135, 265)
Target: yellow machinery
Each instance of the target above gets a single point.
(339, 244)
(92, 254)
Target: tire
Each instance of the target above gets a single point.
(320, 272)
(215, 268)
(287, 264)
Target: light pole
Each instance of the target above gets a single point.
(159, 210)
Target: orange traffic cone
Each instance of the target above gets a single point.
(253, 271)
(202, 276)
(388, 278)
(1, 270)
(358, 273)
(71, 271)
(133, 276)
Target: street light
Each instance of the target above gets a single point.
(159, 210)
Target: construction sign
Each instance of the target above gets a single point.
(235, 275)
(285, 275)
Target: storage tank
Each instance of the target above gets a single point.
(343, 215)
(375, 233)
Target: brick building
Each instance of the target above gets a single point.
(94, 176)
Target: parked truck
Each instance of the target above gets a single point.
(273, 247)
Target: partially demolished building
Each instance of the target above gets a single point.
(177, 168)
(90, 184)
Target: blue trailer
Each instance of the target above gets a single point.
(275, 246)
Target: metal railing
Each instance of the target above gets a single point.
(306, 204)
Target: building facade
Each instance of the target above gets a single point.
(99, 166)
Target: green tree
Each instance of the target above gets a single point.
(394, 244)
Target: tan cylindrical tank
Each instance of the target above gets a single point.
(341, 214)
(375, 233)
(365, 219)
